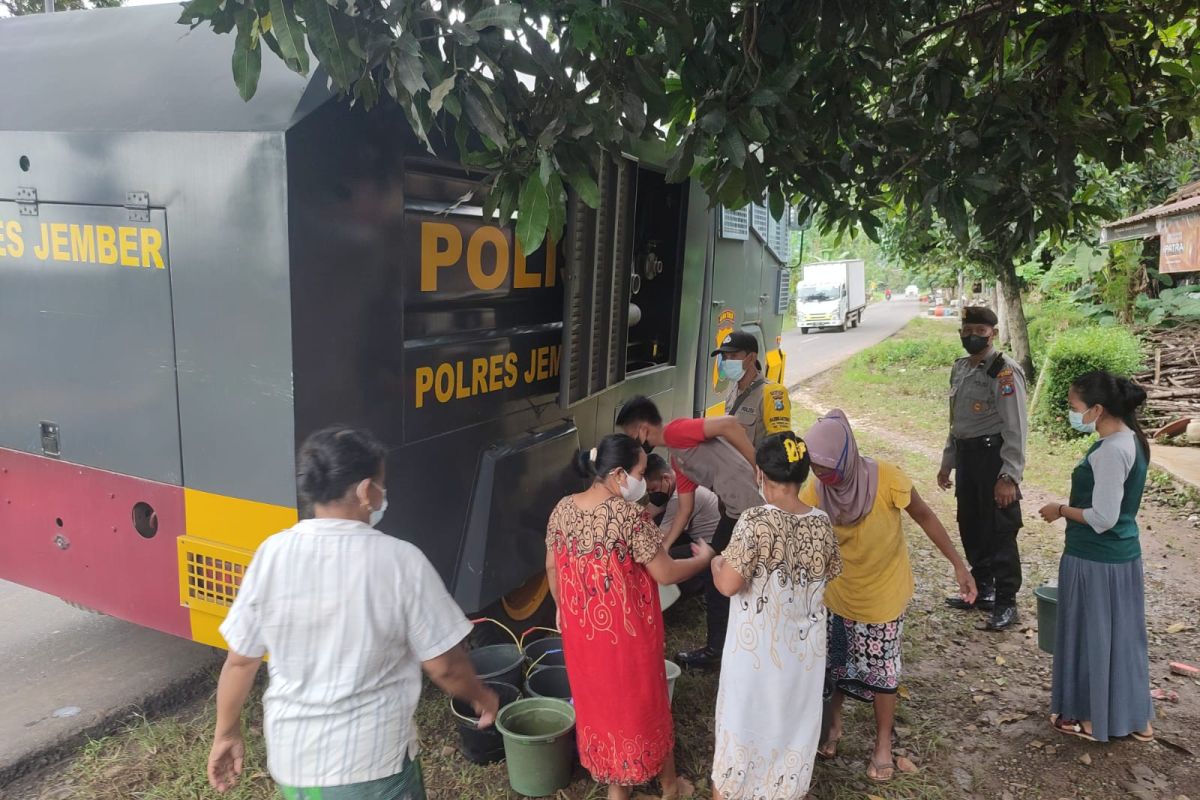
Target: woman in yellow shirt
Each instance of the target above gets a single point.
(864, 497)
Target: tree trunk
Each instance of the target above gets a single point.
(1001, 311)
(1016, 330)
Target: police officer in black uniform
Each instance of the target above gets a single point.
(986, 450)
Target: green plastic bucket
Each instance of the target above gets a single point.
(1047, 611)
(673, 673)
(539, 745)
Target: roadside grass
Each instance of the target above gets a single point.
(904, 382)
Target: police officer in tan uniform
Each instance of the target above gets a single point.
(761, 407)
(986, 450)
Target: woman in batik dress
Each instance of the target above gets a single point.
(604, 561)
(773, 666)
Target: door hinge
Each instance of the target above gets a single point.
(138, 204)
(27, 202)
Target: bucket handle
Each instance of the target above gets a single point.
(537, 661)
(536, 628)
(503, 627)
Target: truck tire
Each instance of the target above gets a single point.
(803, 330)
(528, 606)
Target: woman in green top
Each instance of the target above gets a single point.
(1101, 684)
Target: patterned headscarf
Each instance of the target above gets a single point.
(831, 444)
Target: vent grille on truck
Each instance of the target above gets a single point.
(210, 574)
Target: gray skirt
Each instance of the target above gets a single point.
(1101, 666)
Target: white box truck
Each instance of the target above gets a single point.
(832, 294)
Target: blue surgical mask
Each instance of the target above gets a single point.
(732, 370)
(1076, 420)
(377, 513)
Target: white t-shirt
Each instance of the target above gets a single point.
(706, 515)
(348, 614)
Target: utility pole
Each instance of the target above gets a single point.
(49, 6)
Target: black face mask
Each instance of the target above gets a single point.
(659, 499)
(974, 344)
(649, 448)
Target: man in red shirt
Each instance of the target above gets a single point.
(713, 452)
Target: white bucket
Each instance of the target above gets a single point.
(673, 672)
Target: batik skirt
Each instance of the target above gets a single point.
(864, 657)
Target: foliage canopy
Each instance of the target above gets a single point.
(976, 112)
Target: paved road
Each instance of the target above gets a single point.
(813, 353)
(82, 666)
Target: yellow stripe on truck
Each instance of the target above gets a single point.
(222, 535)
(776, 363)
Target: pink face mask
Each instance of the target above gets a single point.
(830, 478)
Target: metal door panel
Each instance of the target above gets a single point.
(90, 339)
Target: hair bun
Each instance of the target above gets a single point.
(1132, 395)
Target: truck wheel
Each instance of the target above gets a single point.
(840, 328)
(530, 605)
(804, 330)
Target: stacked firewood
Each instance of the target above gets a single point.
(1172, 377)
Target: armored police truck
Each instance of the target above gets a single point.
(191, 284)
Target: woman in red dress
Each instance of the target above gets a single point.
(604, 560)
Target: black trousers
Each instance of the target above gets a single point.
(989, 533)
(716, 605)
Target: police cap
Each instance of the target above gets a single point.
(979, 315)
(738, 342)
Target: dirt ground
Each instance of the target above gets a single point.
(989, 692)
(974, 704)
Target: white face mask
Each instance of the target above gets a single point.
(634, 489)
(377, 513)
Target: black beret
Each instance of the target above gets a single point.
(979, 315)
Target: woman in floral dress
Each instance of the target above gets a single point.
(604, 561)
(773, 666)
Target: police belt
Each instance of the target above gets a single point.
(988, 442)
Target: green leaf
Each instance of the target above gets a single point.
(406, 65)
(985, 183)
(714, 121)
(247, 55)
(504, 15)
(438, 95)
(329, 35)
(558, 208)
(289, 33)
(635, 112)
(545, 167)
(197, 11)
(756, 126)
(483, 118)
(533, 214)
(778, 206)
(733, 147)
(764, 97)
(586, 188)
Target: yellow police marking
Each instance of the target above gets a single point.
(490, 258)
(69, 242)
(458, 380)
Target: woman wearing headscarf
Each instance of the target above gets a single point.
(863, 497)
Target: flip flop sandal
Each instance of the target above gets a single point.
(1070, 727)
(828, 751)
(880, 770)
(1141, 737)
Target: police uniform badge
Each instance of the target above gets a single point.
(1008, 384)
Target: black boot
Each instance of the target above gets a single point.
(700, 658)
(986, 601)
(1003, 617)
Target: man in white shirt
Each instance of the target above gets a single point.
(350, 617)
